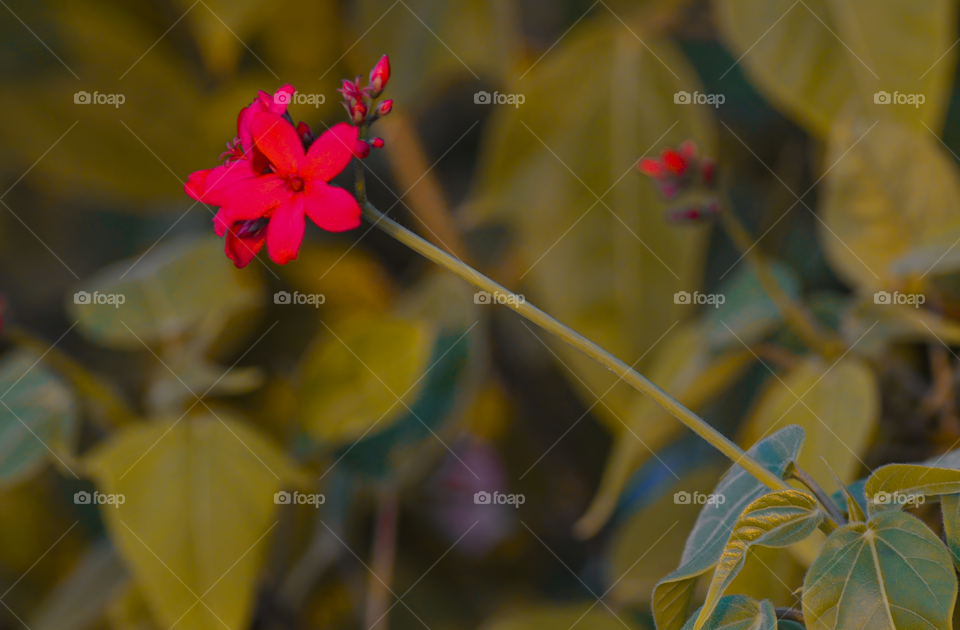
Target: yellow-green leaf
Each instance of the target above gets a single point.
(356, 381)
(838, 407)
(950, 506)
(737, 612)
(893, 193)
(198, 505)
(899, 485)
(777, 519)
(38, 417)
(815, 58)
(175, 287)
(673, 594)
(889, 573)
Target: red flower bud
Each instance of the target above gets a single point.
(385, 107)
(306, 136)
(361, 149)
(377, 143)
(358, 113)
(379, 76)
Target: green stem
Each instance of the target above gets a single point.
(793, 313)
(575, 339)
(795, 472)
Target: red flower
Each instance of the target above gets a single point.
(294, 186)
(686, 179)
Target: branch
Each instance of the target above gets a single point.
(791, 614)
(795, 472)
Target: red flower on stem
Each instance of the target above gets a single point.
(686, 179)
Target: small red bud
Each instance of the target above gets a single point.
(379, 76)
(385, 107)
(361, 149)
(707, 168)
(377, 143)
(358, 113)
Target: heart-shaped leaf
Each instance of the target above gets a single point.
(777, 519)
(737, 612)
(889, 573)
(673, 594)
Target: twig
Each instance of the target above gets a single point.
(795, 472)
(790, 614)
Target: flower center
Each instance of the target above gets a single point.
(295, 183)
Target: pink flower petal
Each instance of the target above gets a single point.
(276, 138)
(331, 152)
(332, 208)
(285, 230)
(281, 98)
(208, 186)
(253, 198)
(242, 250)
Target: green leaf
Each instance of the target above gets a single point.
(177, 286)
(198, 501)
(897, 485)
(838, 409)
(609, 270)
(950, 507)
(353, 382)
(38, 417)
(891, 572)
(747, 309)
(892, 194)
(737, 612)
(777, 519)
(673, 594)
(814, 59)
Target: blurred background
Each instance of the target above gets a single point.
(401, 396)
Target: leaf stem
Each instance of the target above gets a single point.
(384, 553)
(793, 313)
(575, 339)
(795, 472)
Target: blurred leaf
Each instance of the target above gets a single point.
(891, 571)
(198, 500)
(221, 26)
(674, 593)
(353, 381)
(777, 519)
(683, 368)
(608, 269)
(431, 43)
(582, 616)
(737, 612)
(38, 418)
(838, 408)
(646, 544)
(86, 592)
(894, 323)
(131, 612)
(908, 479)
(816, 58)
(747, 309)
(891, 193)
(176, 286)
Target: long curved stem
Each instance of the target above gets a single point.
(575, 339)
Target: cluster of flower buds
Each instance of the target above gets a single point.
(686, 180)
(360, 105)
